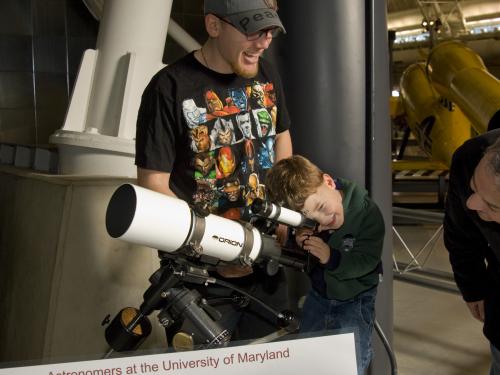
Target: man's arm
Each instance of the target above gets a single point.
(465, 246)
(466, 259)
(283, 146)
(282, 149)
(462, 238)
(154, 180)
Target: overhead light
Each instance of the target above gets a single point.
(395, 93)
(409, 32)
(483, 21)
(411, 36)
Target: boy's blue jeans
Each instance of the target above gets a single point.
(358, 313)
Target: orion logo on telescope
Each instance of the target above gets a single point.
(227, 240)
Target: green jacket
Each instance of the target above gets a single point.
(356, 247)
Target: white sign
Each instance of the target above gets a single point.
(332, 355)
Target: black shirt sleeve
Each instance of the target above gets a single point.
(464, 241)
(156, 132)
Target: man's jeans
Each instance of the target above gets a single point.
(495, 361)
(357, 314)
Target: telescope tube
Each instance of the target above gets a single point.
(145, 217)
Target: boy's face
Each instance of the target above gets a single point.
(325, 205)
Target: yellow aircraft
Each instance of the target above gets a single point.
(446, 101)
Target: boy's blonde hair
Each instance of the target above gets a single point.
(292, 180)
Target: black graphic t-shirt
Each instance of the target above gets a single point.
(213, 132)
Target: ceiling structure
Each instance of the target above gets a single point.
(420, 24)
(423, 10)
(442, 19)
(475, 22)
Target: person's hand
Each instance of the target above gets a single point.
(477, 309)
(281, 234)
(317, 247)
(234, 270)
(301, 234)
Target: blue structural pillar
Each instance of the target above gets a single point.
(334, 61)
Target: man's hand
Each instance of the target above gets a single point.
(281, 234)
(477, 309)
(315, 245)
(233, 271)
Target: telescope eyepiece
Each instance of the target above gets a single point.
(262, 208)
(281, 214)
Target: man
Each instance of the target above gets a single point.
(472, 232)
(179, 125)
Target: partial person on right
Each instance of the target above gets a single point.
(472, 232)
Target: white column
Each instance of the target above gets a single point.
(131, 38)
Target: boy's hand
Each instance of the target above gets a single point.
(301, 234)
(315, 245)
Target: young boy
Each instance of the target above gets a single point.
(348, 245)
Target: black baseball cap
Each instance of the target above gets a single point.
(248, 16)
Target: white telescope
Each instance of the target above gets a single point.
(281, 214)
(145, 217)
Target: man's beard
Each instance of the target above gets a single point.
(245, 73)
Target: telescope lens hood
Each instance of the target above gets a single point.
(121, 210)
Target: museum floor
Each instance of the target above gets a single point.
(434, 333)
